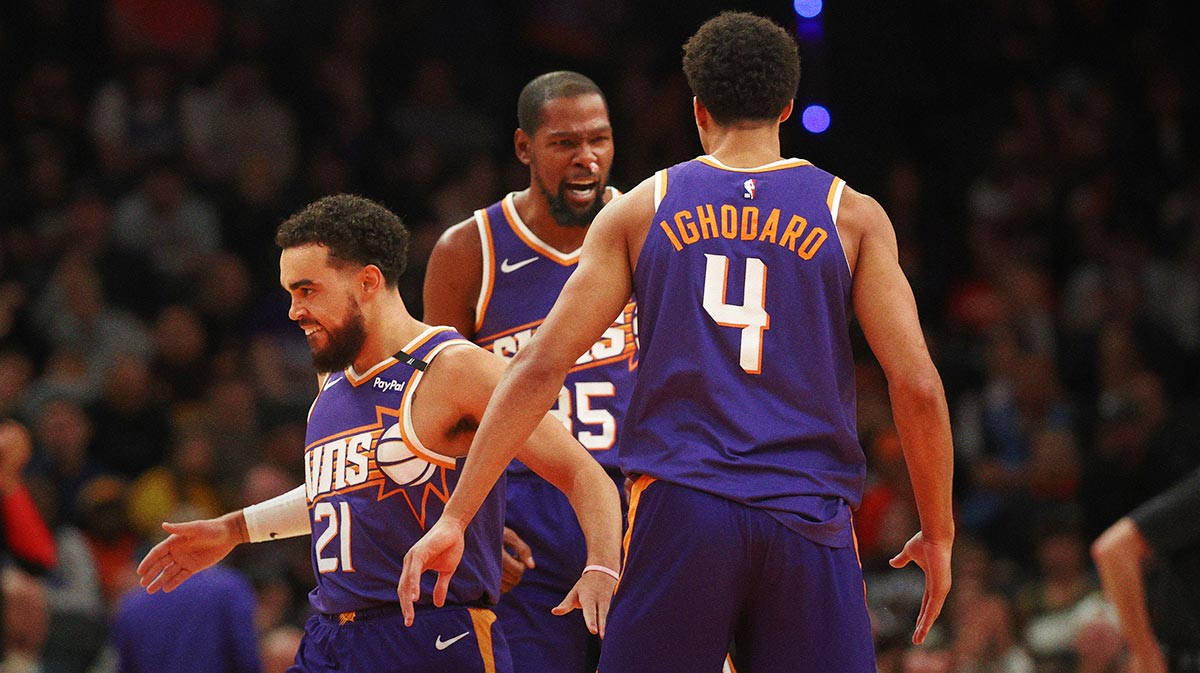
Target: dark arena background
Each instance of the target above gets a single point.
(1038, 159)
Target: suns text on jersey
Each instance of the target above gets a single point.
(616, 344)
(743, 223)
(337, 464)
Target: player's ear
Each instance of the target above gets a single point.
(787, 111)
(370, 279)
(701, 113)
(521, 143)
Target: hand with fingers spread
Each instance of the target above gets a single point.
(932, 557)
(515, 558)
(440, 550)
(190, 548)
(592, 594)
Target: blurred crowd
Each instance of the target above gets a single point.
(1039, 160)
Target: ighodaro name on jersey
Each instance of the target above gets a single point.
(619, 341)
(734, 223)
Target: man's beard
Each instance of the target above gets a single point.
(563, 214)
(344, 344)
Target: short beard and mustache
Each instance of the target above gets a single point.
(563, 214)
(344, 344)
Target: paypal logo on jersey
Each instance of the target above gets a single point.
(388, 385)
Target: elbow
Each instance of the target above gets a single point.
(922, 389)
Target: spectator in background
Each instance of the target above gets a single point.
(132, 428)
(279, 647)
(204, 626)
(25, 622)
(1063, 598)
(181, 490)
(64, 462)
(165, 221)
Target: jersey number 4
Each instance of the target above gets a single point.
(750, 316)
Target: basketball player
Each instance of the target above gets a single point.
(494, 278)
(741, 429)
(397, 406)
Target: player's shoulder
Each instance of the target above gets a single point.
(861, 214)
(460, 237)
(639, 198)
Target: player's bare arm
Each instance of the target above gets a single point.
(453, 278)
(448, 406)
(887, 312)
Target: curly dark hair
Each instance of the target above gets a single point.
(355, 229)
(545, 88)
(742, 66)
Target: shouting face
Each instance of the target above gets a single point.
(569, 157)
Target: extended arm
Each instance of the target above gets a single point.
(1120, 553)
(887, 312)
(467, 376)
(193, 546)
(1164, 524)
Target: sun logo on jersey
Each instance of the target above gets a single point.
(398, 462)
(750, 186)
(377, 457)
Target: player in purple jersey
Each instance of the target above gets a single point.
(494, 278)
(741, 429)
(397, 404)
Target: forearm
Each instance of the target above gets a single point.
(280, 517)
(1119, 553)
(597, 505)
(923, 423)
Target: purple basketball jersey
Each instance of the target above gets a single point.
(746, 381)
(522, 277)
(374, 489)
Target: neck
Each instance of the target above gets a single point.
(742, 146)
(389, 328)
(534, 210)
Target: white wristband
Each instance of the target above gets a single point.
(282, 516)
(602, 569)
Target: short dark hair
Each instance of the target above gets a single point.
(742, 67)
(545, 88)
(355, 229)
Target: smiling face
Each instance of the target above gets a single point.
(324, 305)
(569, 157)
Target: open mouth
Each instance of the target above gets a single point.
(582, 191)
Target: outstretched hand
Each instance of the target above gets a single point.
(440, 549)
(933, 557)
(592, 594)
(190, 548)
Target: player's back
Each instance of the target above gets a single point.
(746, 381)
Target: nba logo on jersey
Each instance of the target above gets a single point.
(750, 185)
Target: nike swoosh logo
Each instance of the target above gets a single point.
(330, 384)
(505, 267)
(443, 644)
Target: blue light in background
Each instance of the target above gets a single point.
(815, 118)
(808, 9)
